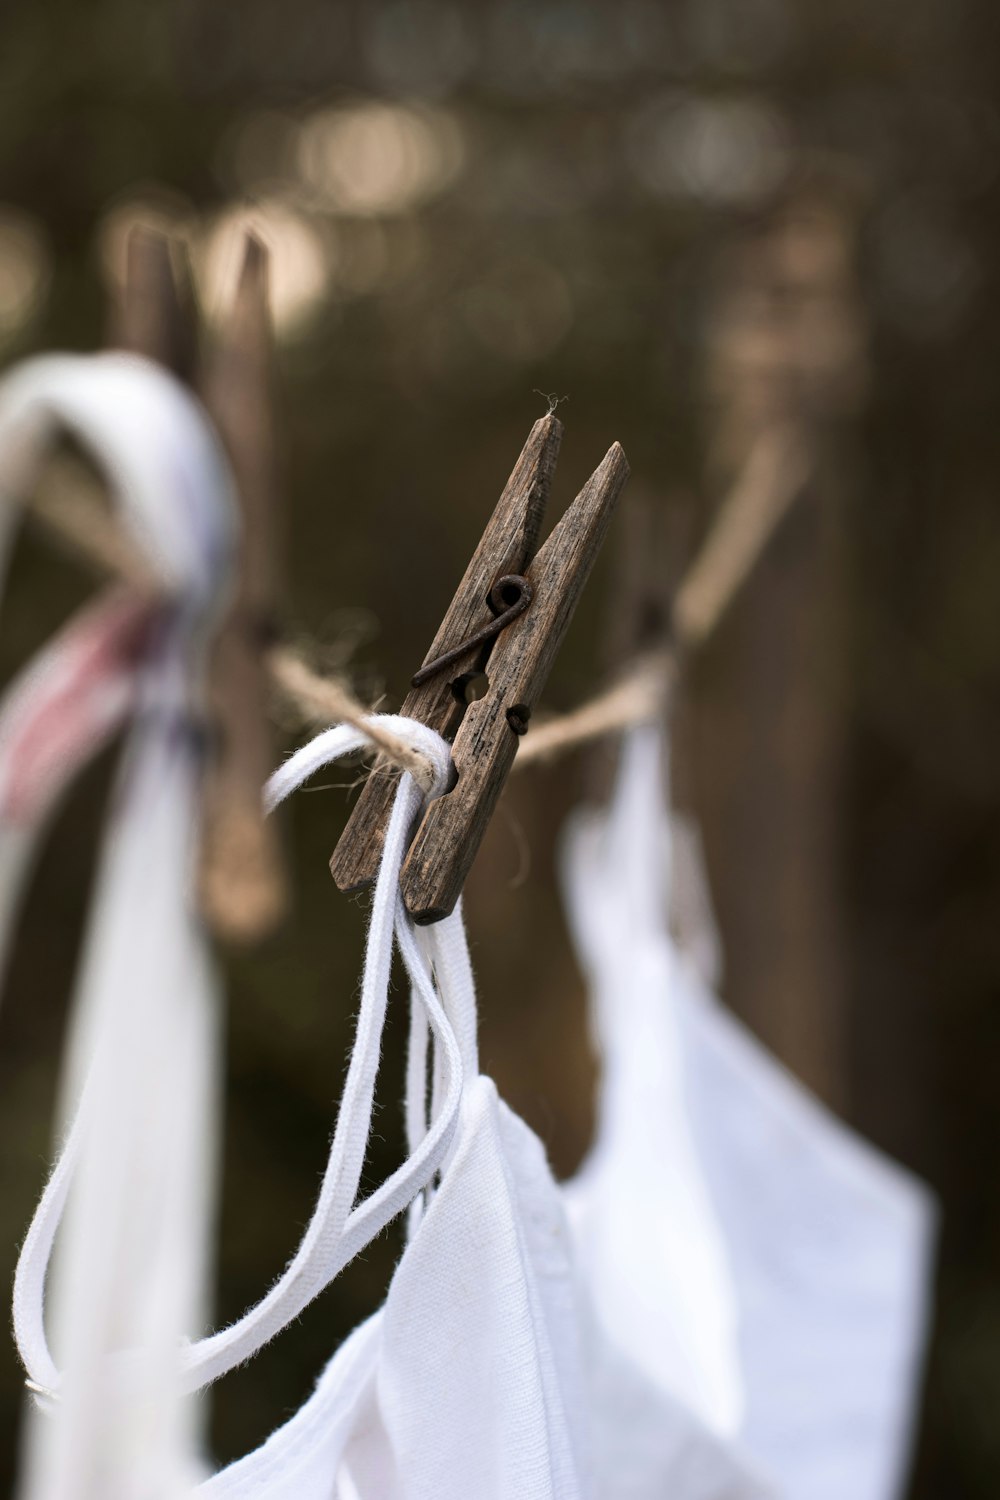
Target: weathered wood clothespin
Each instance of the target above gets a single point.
(242, 885)
(485, 670)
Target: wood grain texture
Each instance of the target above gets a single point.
(506, 546)
(449, 836)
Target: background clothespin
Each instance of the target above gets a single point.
(479, 690)
(637, 637)
(242, 884)
(154, 313)
(646, 570)
(243, 887)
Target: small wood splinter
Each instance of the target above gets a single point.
(516, 661)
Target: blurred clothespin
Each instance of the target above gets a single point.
(639, 610)
(242, 884)
(154, 313)
(485, 670)
(637, 636)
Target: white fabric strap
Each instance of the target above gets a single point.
(447, 952)
(337, 1229)
(151, 440)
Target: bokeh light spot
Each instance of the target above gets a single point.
(24, 269)
(725, 151)
(375, 158)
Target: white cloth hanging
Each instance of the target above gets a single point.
(742, 1246)
(484, 1374)
(131, 1266)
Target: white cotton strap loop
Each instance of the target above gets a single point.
(151, 440)
(337, 1230)
(446, 953)
(344, 739)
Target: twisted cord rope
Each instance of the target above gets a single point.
(70, 507)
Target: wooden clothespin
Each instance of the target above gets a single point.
(485, 670)
(244, 891)
(639, 608)
(154, 314)
(637, 635)
(242, 884)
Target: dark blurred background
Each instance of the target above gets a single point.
(692, 219)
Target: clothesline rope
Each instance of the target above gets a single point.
(637, 698)
(771, 480)
(328, 700)
(70, 505)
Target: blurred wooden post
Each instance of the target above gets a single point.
(786, 345)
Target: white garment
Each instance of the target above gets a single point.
(134, 1175)
(742, 1246)
(483, 1376)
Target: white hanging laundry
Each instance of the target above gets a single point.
(484, 1374)
(748, 1252)
(131, 1266)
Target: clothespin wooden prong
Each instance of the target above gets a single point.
(505, 547)
(516, 662)
(243, 887)
(154, 312)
